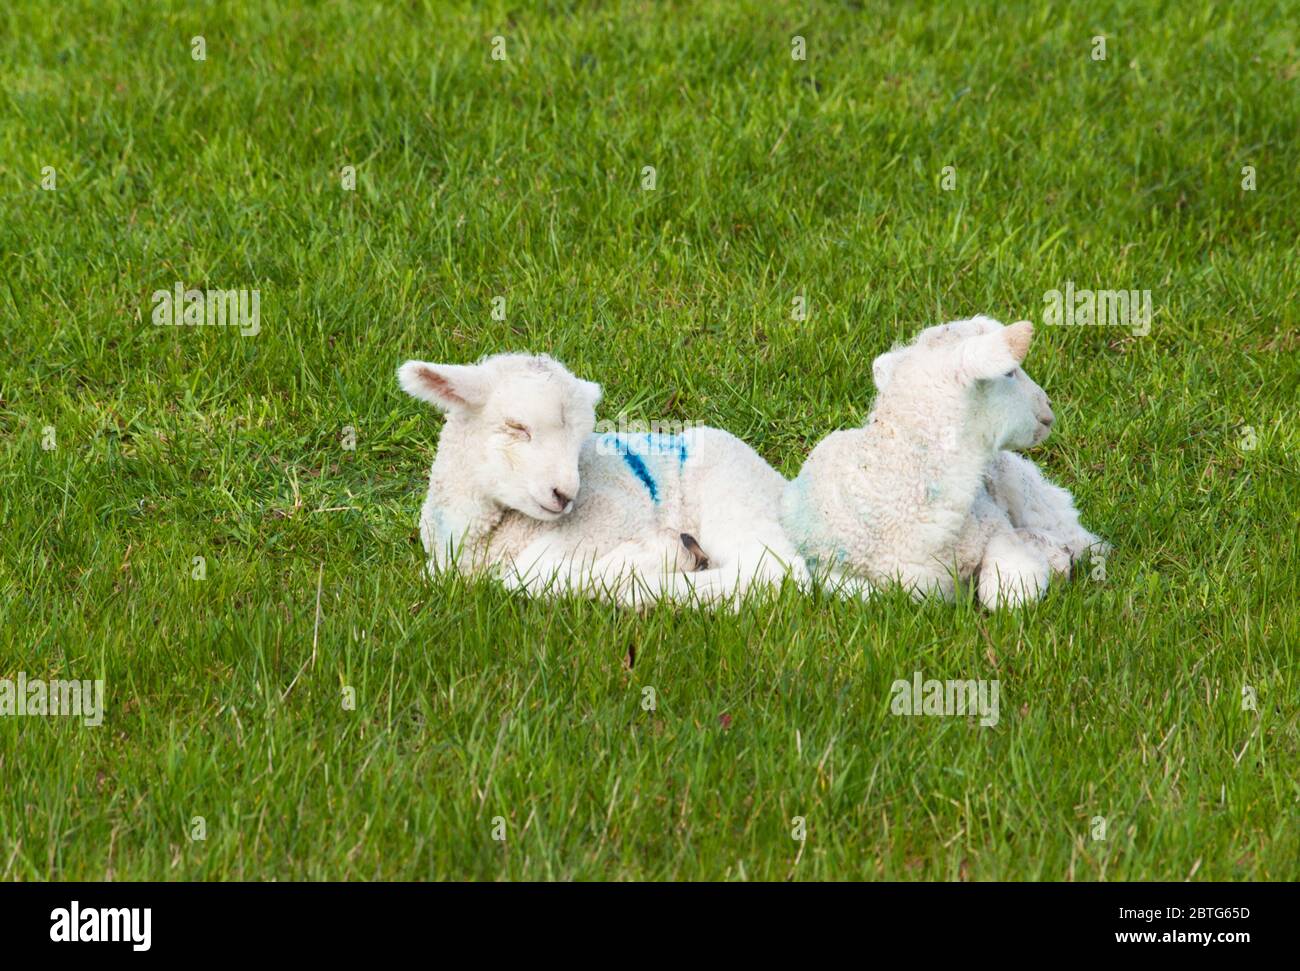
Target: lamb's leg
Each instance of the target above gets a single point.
(706, 588)
(713, 586)
(545, 569)
(633, 574)
(649, 557)
(1033, 501)
(746, 546)
(752, 564)
(760, 560)
(572, 577)
(1015, 569)
(849, 586)
(540, 573)
(625, 574)
(736, 496)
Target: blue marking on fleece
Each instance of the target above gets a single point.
(632, 446)
(631, 452)
(439, 521)
(798, 517)
(641, 472)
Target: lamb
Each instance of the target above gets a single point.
(927, 493)
(522, 488)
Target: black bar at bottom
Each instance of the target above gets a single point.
(336, 921)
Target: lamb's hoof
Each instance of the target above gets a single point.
(1087, 545)
(692, 547)
(1087, 554)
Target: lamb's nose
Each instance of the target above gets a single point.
(561, 498)
(1048, 420)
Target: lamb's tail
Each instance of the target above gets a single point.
(712, 586)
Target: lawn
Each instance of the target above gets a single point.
(223, 527)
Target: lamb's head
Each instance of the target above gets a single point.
(973, 366)
(522, 419)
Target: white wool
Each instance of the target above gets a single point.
(523, 489)
(927, 492)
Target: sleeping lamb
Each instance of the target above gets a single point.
(522, 488)
(926, 493)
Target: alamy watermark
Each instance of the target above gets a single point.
(638, 437)
(179, 307)
(1100, 308)
(34, 696)
(946, 699)
(75, 923)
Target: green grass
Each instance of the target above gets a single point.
(1121, 698)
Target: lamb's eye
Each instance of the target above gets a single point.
(519, 430)
(1011, 373)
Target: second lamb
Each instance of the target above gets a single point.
(929, 491)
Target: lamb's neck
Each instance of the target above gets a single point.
(462, 512)
(949, 456)
(954, 469)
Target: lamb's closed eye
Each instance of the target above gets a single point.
(519, 430)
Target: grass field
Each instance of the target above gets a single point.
(130, 449)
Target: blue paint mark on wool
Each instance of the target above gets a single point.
(639, 470)
(439, 521)
(631, 452)
(636, 446)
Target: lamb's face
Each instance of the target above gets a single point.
(532, 427)
(1015, 405)
(974, 364)
(525, 418)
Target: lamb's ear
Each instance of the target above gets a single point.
(993, 355)
(446, 386)
(882, 369)
(592, 392)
